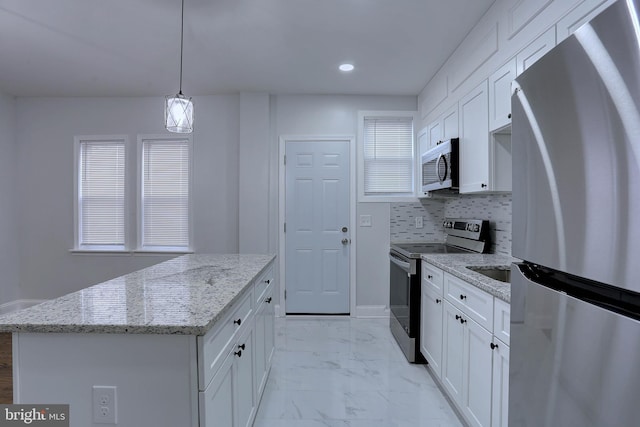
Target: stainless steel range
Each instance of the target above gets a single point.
(462, 236)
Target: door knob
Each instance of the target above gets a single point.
(345, 229)
(345, 241)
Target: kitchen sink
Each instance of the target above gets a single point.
(500, 274)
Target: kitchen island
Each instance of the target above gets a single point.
(187, 342)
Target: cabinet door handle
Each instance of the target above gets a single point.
(483, 185)
(268, 300)
(463, 321)
(463, 296)
(241, 346)
(509, 116)
(458, 317)
(267, 281)
(238, 322)
(238, 353)
(429, 276)
(438, 301)
(493, 346)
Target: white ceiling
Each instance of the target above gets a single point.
(131, 47)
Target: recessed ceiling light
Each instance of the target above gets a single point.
(346, 67)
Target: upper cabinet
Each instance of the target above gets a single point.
(535, 50)
(500, 90)
(485, 158)
(474, 140)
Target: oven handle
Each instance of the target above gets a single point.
(403, 265)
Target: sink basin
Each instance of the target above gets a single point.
(502, 275)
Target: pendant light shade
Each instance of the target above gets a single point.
(178, 114)
(178, 109)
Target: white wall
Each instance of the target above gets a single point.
(44, 183)
(337, 115)
(9, 239)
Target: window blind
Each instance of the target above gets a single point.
(388, 155)
(165, 193)
(101, 194)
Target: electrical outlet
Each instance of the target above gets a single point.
(104, 405)
(419, 223)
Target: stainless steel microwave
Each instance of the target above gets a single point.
(440, 167)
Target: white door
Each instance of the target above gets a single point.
(317, 237)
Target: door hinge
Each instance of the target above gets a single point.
(285, 227)
(285, 294)
(285, 159)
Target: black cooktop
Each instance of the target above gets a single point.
(414, 250)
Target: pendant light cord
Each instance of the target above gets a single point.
(181, 44)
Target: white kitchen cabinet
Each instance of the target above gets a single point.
(229, 398)
(474, 140)
(474, 302)
(264, 339)
(450, 125)
(474, 364)
(244, 390)
(476, 373)
(452, 351)
(435, 134)
(583, 12)
(422, 141)
(500, 95)
(535, 50)
(485, 160)
(431, 326)
(217, 401)
(502, 320)
(500, 385)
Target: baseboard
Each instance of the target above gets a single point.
(371, 311)
(19, 304)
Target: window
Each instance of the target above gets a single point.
(164, 202)
(100, 193)
(386, 156)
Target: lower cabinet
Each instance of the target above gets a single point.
(231, 396)
(476, 373)
(431, 328)
(500, 396)
(474, 363)
(264, 337)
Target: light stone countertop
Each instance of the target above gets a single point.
(456, 265)
(185, 295)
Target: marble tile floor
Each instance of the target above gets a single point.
(344, 372)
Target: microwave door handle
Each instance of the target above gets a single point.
(443, 158)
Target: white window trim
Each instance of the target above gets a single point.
(77, 248)
(139, 166)
(362, 197)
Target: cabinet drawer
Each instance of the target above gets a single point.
(474, 302)
(433, 277)
(501, 321)
(212, 348)
(262, 284)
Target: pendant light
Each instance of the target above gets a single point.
(178, 109)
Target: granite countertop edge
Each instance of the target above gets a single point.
(456, 264)
(11, 323)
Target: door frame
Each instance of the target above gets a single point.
(281, 308)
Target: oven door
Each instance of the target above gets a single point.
(400, 274)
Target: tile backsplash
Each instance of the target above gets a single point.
(403, 225)
(494, 207)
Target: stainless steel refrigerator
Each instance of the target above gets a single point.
(575, 301)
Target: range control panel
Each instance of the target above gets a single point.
(476, 229)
